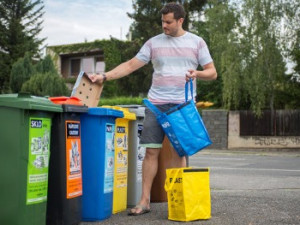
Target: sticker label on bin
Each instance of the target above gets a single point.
(141, 151)
(121, 156)
(73, 159)
(38, 160)
(109, 157)
(121, 138)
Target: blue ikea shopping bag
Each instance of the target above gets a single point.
(183, 125)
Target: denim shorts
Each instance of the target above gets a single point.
(152, 134)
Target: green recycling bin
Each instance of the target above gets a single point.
(24, 158)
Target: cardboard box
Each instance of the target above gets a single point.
(87, 91)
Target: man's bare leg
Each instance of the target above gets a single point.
(150, 165)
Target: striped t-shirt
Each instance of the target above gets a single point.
(172, 57)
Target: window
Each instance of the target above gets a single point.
(75, 67)
(99, 65)
(87, 64)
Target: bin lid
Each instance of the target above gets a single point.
(62, 100)
(27, 101)
(127, 115)
(75, 108)
(70, 104)
(139, 110)
(99, 111)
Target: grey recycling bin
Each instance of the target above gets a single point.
(136, 155)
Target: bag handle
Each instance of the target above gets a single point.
(187, 89)
(156, 111)
(168, 188)
(152, 107)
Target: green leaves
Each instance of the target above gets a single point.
(20, 73)
(248, 50)
(20, 24)
(46, 84)
(41, 79)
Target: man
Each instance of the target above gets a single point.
(175, 55)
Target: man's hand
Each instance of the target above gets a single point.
(208, 73)
(96, 78)
(190, 74)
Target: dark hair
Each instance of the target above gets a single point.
(175, 8)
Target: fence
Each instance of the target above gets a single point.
(241, 129)
(276, 123)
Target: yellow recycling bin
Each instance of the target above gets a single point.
(121, 159)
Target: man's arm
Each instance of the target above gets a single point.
(122, 70)
(208, 73)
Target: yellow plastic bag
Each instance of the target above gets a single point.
(188, 194)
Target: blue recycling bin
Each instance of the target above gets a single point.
(97, 137)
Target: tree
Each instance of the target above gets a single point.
(264, 65)
(147, 16)
(216, 28)
(46, 84)
(289, 33)
(293, 12)
(295, 55)
(46, 65)
(20, 24)
(147, 19)
(20, 73)
(288, 94)
(4, 72)
(41, 79)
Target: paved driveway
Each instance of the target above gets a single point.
(248, 188)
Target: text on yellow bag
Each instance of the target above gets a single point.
(188, 194)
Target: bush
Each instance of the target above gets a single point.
(121, 101)
(45, 65)
(21, 71)
(46, 84)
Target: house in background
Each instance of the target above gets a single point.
(71, 59)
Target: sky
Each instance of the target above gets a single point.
(75, 21)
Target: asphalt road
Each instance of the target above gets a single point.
(251, 188)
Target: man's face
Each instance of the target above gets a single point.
(170, 25)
